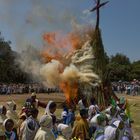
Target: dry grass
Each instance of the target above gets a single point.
(135, 113)
(20, 100)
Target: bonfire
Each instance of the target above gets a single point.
(75, 62)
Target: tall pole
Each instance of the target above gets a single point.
(97, 8)
(98, 14)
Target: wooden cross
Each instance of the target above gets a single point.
(97, 8)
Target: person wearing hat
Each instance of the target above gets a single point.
(2, 119)
(45, 130)
(64, 132)
(81, 128)
(34, 102)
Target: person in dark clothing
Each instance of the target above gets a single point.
(34, 102)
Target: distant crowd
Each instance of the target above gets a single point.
(129, 88)
(7, 89)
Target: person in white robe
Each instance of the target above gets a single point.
(110, 131)
(64, 131)
(50, 110)
(93, 108)
(45, 130)
(30, 126)
(11, 113)
(101, 123)
(83, 104)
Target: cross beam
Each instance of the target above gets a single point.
(97, 8)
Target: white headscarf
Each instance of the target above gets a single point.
(10, 105)
(46, 121)
(116, 123)
(4, 123)
(45, 130)
(81, 105)
(90, 111)
(93, 121)
(33, 94)
(11, 113)
(47, 110)
(65, 130)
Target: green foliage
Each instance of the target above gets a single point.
(135, 73)
(9, 70)
(121, 68)
(120, 59)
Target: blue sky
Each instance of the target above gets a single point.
(23, 22)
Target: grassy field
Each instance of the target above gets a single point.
(135, 113)
(59, 98)
(20, 100)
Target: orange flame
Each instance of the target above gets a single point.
(62, 43)
(57, 46)
(70, 90)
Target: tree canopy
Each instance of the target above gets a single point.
(135, 72)
(9, 70)
(119, 67)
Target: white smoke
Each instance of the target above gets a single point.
(51, 74)
(71, 73)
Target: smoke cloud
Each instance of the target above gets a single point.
(27, 20)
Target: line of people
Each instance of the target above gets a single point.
(6, 89)
(86, 123)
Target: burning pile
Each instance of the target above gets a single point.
(65, 61)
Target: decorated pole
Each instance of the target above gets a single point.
(101, 61)
(97, 9)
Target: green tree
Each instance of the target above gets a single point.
(135, 73)
(120, 67)
(9, 70)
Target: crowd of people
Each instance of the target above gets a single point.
(87, 122)
(129, 88)
(6, 89)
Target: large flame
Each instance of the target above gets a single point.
(67, 60)
(57, 46)
(70, 91)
